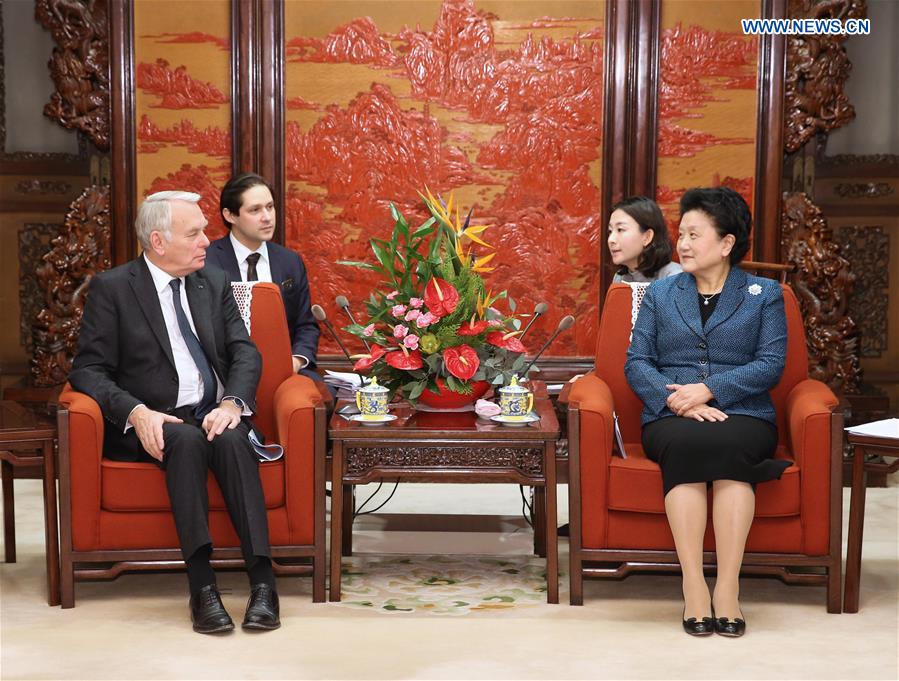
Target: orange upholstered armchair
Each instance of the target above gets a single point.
(118, 513)
(617, 514)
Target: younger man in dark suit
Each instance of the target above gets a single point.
(249, 254)
(165, 353)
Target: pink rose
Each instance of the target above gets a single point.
(411, 341)
(399, 331)
(392, 295)
(425, 320)
(416, 302)
(412, 314)
(368, 330)
(398, 310)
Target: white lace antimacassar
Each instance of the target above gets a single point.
(243, 296)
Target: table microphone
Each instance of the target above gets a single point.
(344, 304)
(319, 313)
(564, 323)
(539, 309)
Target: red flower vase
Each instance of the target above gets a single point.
(447, 399)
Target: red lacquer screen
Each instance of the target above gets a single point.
(499, 101)
(707, 100)
(183, 102)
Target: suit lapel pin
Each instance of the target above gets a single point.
(755, 289)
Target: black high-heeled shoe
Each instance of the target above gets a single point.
(699, 627)
(731, 628)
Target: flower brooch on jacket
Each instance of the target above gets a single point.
(755, 289)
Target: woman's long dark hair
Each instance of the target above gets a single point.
(648, 215)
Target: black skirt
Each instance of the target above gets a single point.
(688, 451)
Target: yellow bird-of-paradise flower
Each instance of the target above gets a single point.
(482, 305)
(437, 207)
(472, 233)
(480, 263)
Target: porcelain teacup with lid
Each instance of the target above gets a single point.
(515, 399)
(372, 399)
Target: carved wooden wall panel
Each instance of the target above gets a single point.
(817, 68)
(500, 101)
(824, 285)
(868, 251)
(34, 242)
(183, 99)
(708, 101)
(81, 250)
(79, 66)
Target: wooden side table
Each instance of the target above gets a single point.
(446, 447)
(28, 439)
(862, 445)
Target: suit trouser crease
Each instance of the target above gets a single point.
(188, 458)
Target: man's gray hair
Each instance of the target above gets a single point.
(155, 215)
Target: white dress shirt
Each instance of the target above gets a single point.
(263, 267)
(190, 382)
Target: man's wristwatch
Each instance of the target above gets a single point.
(239, 403)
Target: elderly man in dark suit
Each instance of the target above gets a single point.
(249, 254)
(165, 353)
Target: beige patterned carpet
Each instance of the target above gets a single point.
(442, 585)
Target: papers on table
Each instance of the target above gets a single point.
(346, 383)
(885, 428)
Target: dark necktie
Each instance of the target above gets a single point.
(252, 259)
(196, 352)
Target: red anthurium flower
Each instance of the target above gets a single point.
(405, 360)
(469, 329)
(461, 361)
(366, 361)
(441, 297)
(502, 340)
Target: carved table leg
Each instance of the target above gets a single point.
(51, 527)
(856, 530)
(337, 507)
(349, 510)
(9, 511)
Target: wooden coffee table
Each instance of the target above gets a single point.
(445, 447)
(28, 441)
(861, 446)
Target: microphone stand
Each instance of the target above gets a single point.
(564, 324)
(319, 313)
(539, 309)
(344, 304)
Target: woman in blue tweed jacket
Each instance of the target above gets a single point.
(707, 346)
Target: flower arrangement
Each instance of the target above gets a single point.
(435, 330)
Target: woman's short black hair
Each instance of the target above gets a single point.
(729, 214)
(648, 215)
(232, 193)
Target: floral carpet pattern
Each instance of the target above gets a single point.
(442, 585)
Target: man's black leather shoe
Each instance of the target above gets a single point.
(263, 608)
(208, 613)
